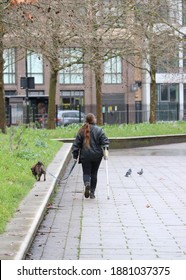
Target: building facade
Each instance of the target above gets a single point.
(171, 86)
(76, 89)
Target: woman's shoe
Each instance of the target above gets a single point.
(87, 191)
(92, 195)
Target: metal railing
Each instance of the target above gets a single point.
(17, 114)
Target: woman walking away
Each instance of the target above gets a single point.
(90, 145)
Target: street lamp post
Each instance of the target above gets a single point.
(26, 90)
(27, 83)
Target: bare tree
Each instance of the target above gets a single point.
(93, 25)
(99, 28)
(155, 40)
(102, 29)
(5, 5)
(49, 27)
(46, 28)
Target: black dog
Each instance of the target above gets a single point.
(37, 170)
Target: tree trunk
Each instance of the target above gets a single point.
(51, 124)
(2, 98)
(98, 77)
(153, 95)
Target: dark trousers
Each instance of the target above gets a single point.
(90, 171)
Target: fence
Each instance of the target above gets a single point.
(17, 114)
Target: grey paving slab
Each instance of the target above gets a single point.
(144, 218)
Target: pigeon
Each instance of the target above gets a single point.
(128, 173)
(140, 172)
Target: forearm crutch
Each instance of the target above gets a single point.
(107, 178)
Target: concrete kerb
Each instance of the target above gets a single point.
(20, 231)
(139, 141)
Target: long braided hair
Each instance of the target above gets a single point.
(85, 129)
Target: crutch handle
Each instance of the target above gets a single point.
(105, 152)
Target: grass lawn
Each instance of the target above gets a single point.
(129, 130)
(22, 147)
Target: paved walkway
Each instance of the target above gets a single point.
(145, 217)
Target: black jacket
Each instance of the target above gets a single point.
(97, 141)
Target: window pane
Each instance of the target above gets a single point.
(107, 66)
(66, 79)
(35, 63)
(9, 79)
(9, 66)
(113, 70)
(73, 74)
(119, 79)
(173, 93)
(114, 79)
(78, 69)
(163, 10)
(164, 93)
(184, 57)
(119, 64)
(6, 79)
(114, 66)
(35, 67)
(107, 79)
(38, 78)
(166, 63)
(76, 79)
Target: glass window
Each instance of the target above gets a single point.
(71, 100)
(163, 10)
(10, 92)
(73, 74)
(112, 11)
(173, 93)
(35, 67)
(36, 92)
(168, 92)
(113, 70)
(9, 74)
(164, 93)
(184, 96)
(184, 57)
(141, 10)
(168, 62)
